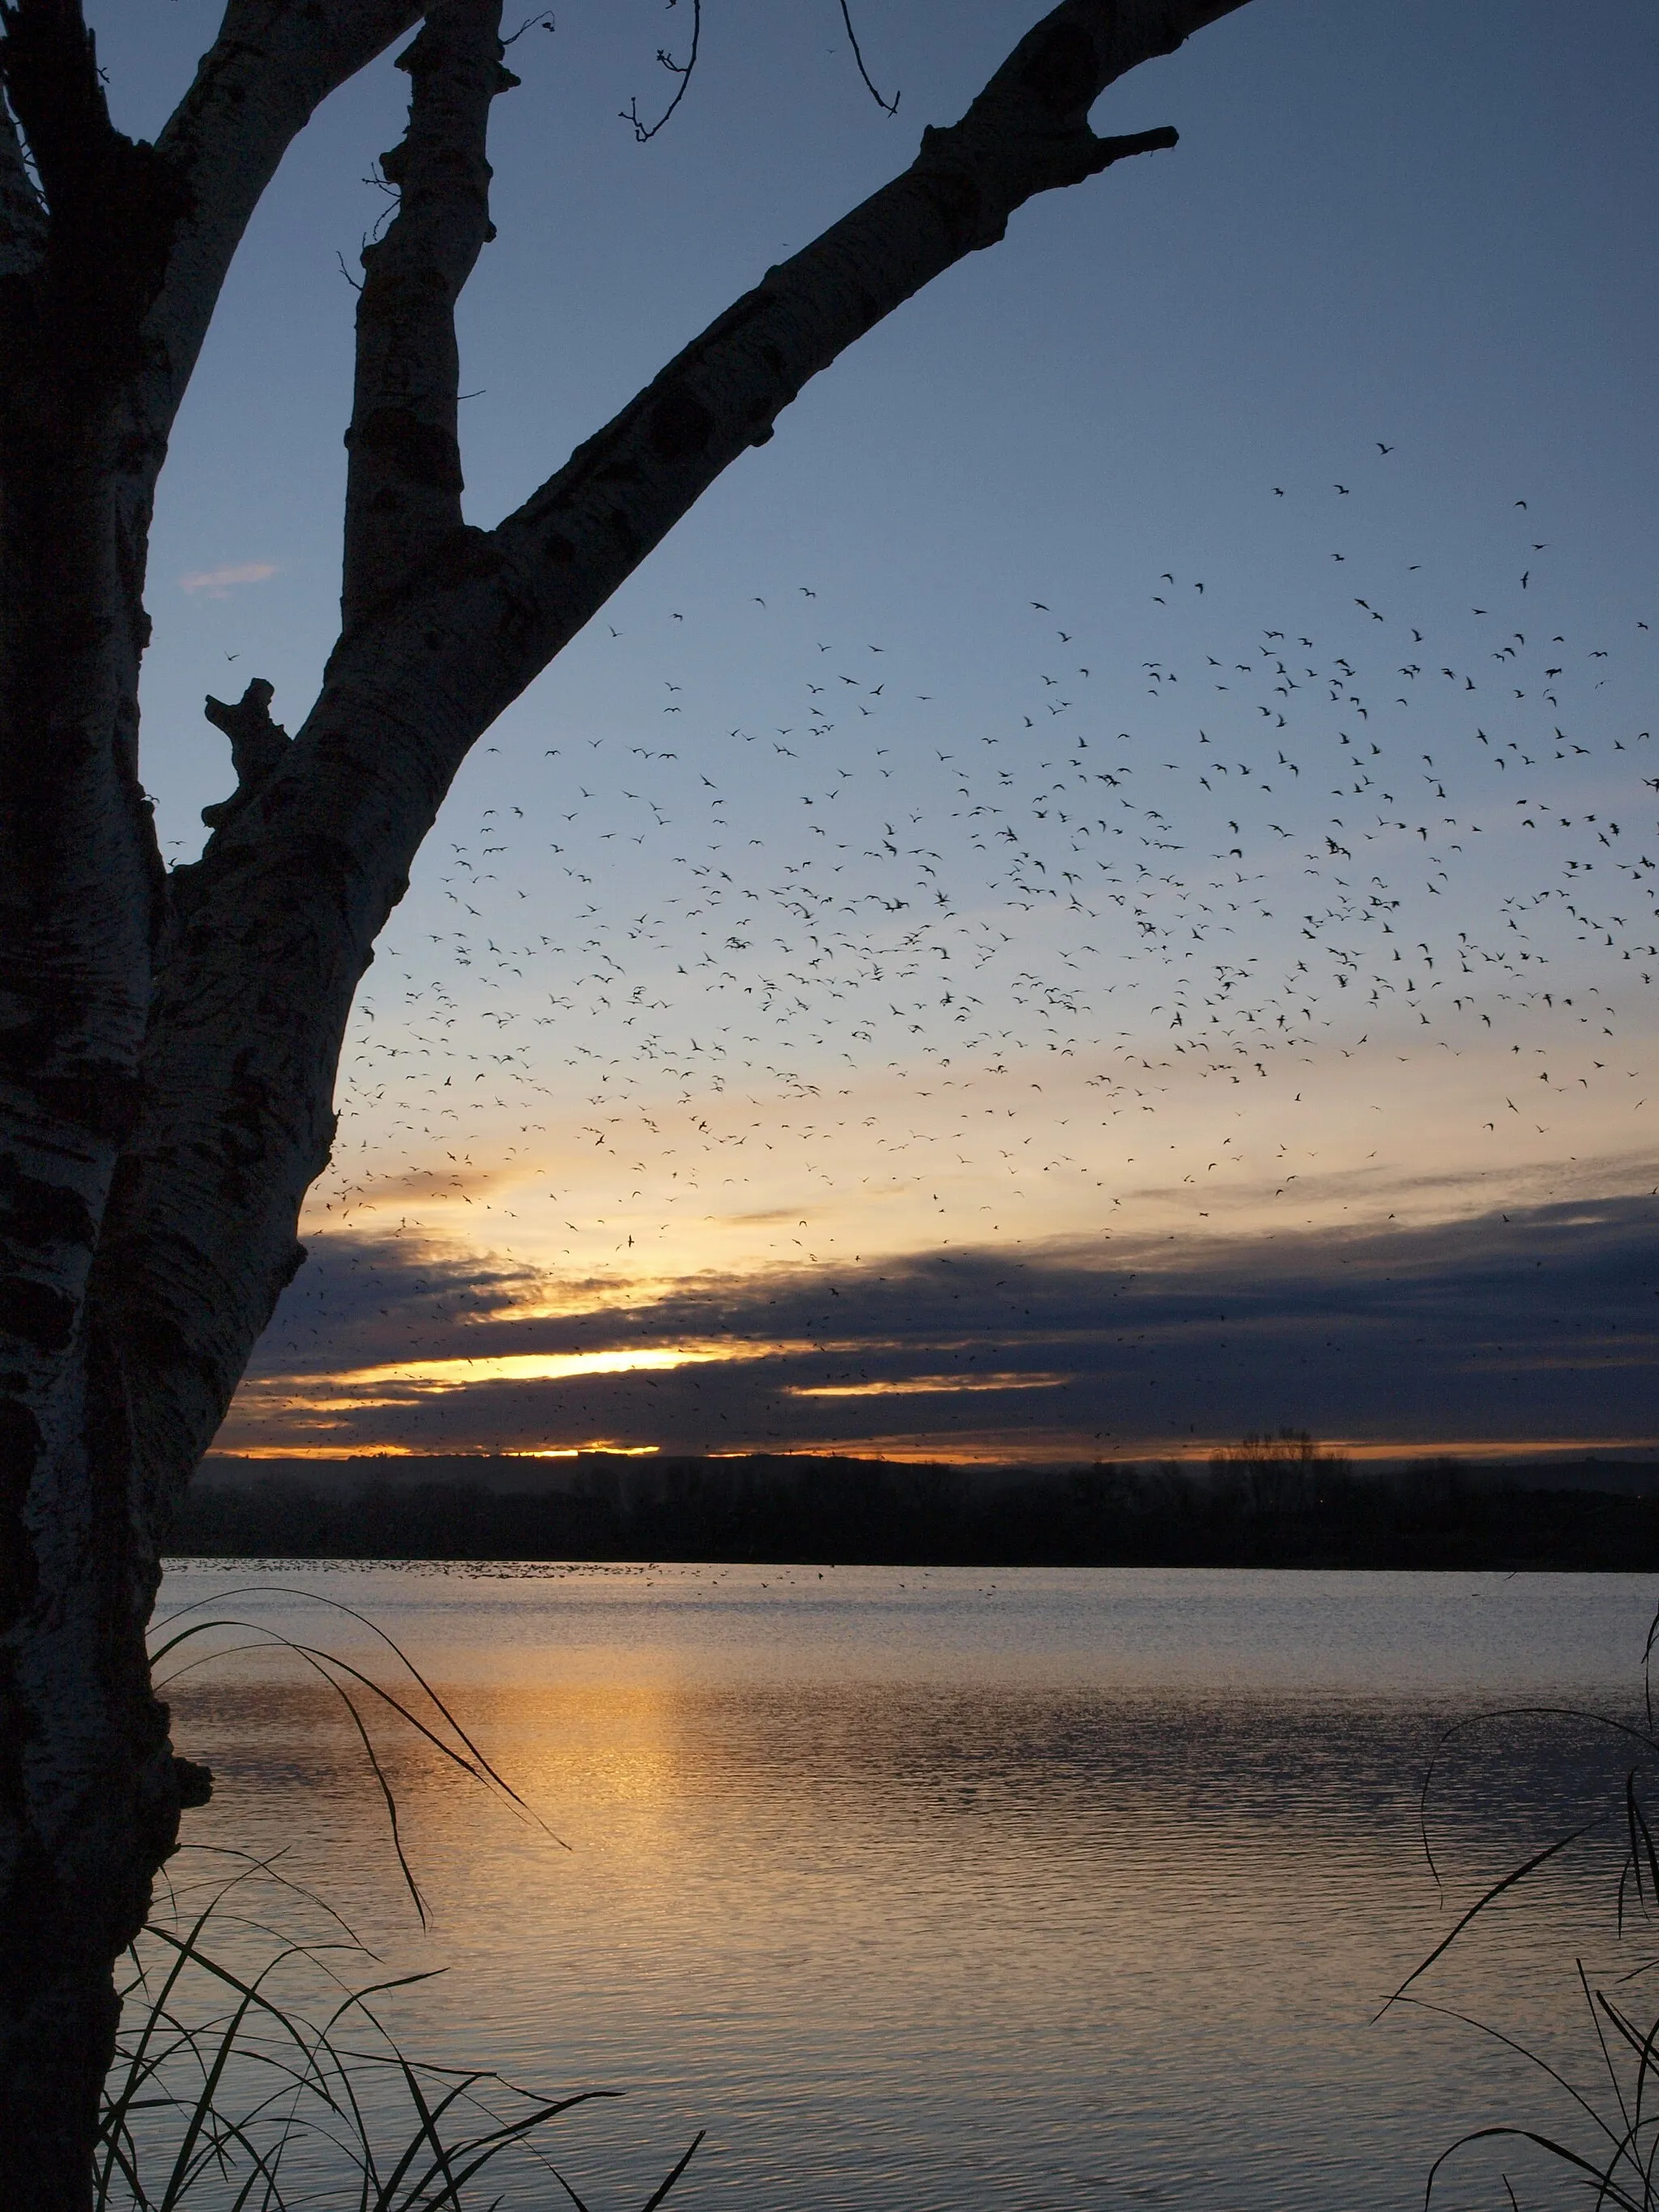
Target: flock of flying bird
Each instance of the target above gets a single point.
(755, 912)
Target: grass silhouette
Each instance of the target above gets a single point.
(1609, 2147)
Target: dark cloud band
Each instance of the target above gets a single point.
(1534, 1326)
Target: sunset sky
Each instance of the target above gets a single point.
(1099, 892)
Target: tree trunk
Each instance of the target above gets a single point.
(87, 1805)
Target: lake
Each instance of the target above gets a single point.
(954, 1889)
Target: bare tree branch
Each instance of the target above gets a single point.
(256, 746)
(537, 578)
(272, 64)
(51, 67)
(403, 479)
(888, 106)
(111, 204)
(631, 114)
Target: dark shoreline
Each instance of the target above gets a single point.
(1596, 1516)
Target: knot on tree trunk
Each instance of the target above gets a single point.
(257, 747)
(195, 1783)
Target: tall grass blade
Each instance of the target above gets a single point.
(1620, 2170)
(663, 2187)
(250, 1590)
(1606, 2191)
(1515, 1874)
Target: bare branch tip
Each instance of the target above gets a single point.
(1141, 142)
(631, 114)
(887, 107)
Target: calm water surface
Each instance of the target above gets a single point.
(952, 1888)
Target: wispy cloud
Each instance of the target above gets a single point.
(216, 583)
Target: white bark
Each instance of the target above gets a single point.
(403, 479)
(259, 84)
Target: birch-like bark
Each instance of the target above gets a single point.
(404, 477)
(83, 1779)
(273, 62)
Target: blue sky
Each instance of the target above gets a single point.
(651, 1028)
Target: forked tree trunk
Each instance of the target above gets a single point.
(168, 1046)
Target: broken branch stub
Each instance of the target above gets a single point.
(256, 746)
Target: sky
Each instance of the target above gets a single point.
(1098, 893)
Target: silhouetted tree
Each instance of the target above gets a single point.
(168, 1042)
(1276, 1474)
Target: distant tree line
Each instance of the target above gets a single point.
(1273, 1502)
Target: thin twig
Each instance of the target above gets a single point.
(888, 106)
(631, 114)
